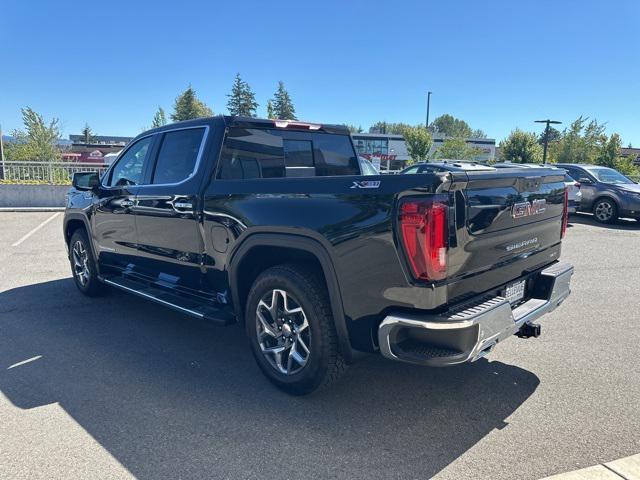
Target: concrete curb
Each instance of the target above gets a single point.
(31, 209)
(627, 468)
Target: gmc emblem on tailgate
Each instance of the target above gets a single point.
(528, 209)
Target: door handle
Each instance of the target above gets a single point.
(183, 205)
(126, 203)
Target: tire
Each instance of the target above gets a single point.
(83, 265)
(293, 340)
(605, 210)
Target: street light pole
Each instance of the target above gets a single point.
(428, 104)
(546, 137)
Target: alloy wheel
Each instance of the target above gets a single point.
(80, 263)
(283, 332)
(604, 211)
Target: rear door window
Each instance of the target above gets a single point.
(178, 155)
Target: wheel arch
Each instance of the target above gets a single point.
(73, 222)
(263, 250)
(606, 196)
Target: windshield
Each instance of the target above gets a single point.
(609, 175)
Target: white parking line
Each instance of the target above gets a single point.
(36, 229)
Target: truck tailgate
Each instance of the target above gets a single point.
(507, 223)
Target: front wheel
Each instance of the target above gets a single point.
(291, 331)
(83, 266)
(605, 211)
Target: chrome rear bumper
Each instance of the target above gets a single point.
(469, 332)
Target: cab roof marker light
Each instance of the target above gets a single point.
(287, 124)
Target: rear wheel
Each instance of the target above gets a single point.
(290, 329)
(83, 265)
(605, 210)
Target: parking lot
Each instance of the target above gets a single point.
(116, 387)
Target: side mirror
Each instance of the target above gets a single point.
(85, 180)
(585, 180)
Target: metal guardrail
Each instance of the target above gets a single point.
(55, 173)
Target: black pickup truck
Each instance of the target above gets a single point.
(271, 225)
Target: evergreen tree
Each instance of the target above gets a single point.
(87, 133)
(159, 119)
(187, 106)
(282, 105)
(242, 100)
(270, 111)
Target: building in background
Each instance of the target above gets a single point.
(97, 148)
(388, 152)
(632, 153)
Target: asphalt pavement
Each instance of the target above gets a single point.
(117, 387)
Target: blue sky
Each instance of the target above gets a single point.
(496, 64)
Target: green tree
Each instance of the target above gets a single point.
(282, 104)
(450, 126)
(554, 136)
(87, 134)
(270, 111)
(521, 147)
(242, 100)
(38, 141)
(456, 149)
(609, 154)
(159, 118)
(353, 128)
(187, 106)
(389, 127)
(580, 142)
(418, 141)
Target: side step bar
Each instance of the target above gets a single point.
(171, 300)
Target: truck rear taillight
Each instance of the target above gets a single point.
(423, 233)
(565, 213)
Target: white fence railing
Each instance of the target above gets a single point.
(56, 173)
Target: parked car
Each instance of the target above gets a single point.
(270, 224)
(573, 188)
(574, 195)
(606, 193)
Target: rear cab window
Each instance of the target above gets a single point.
(250, 153)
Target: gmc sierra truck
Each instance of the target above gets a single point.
(270, 224)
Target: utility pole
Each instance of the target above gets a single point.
(546, 137)
(426, 125)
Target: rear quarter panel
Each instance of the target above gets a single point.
(354, 224)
